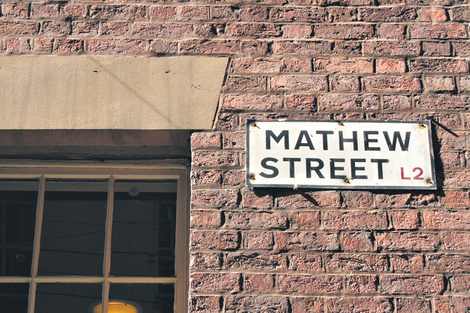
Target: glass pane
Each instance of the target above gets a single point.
(143, 239)
(14, 298)
(150, 298)
(70, 298)
(72, 238)
(17, 221)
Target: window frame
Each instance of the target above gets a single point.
(111, 172)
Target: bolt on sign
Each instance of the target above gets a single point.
(340, 154)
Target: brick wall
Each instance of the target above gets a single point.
(279, 250)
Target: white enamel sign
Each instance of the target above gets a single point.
(340, 154)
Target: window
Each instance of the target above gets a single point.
(85, 239)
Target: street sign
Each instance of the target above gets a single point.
(340, 154)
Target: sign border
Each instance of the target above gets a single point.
(432, 186)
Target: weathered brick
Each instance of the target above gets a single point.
(253, 30)
(18, 9)
(357, 241)
(392, 48)
(407, 263)
(44, 10)
(448, 263)
(343, 31)
(255, 220)
(405, 241)
(69, 45)
(301, 47)
(396, 102)
(204, 304)
(255, 261)
(258, 240)
(344, 84)
(299, 14)
(462, 49)
(152, 29)
(454, 304)
(116, 46)
(297, 65)
(460, 13)
(390, 14)
(43, 44)
(342, 14)
(359, 304)
(360, 284)
(87, 28)
(254, 47)
(233, 178)
(460, 283)
(306, 304)
(114, 28)
(438, 66)
(439, 83)
(220, 282)
(205, 46)
(391, 83)
(205, 140)
(310, 284)
(234, 140)
(351, 220)
(439, 49)
(162, 12)
(432, 14)
(125, 12)
(194, 13)
(357, 199)
(299, 82)
(348, 48)
(464, 83)
(405, 219)
(415, 305)
(237, 304)
(390, 31)
(228, 13)
(456, 240)
(73, 10)
(304, 220)
(252, 102)
(347, 102)
(306, 263)
(203, 158)
(390, 66)
(301, 102)
(297, 31)
(258, 282)
(310, 200)
(214, 240)
(205, 219)
(343, 65)
(214, 197)
(236, 83)
(255, 65)
(360, 262)
(163, 46)
(442, 101)
(17, 45)
(18, 28)
(298, 241)
(438, 31)
(411, 284)
(457, 179)
(445, 219)
(254, 13)
(205, 261)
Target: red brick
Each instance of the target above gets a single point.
(357, 199)
(163, 46)
(254, 13)
(235, 304)
(220, 282)
(306, 304)
(360, 284)
(460, 13)
(438, 31)
(310, 284)
(116, 46)
(439, 83)
(204, 46)
(205, 219)
(228, 13)
(452, 159)
(464, 83)
(226, 121)
(404, 241)
(415, 305)
(126, 12)
(462, 49)
(17, 45)
(255, 65)
(342, 14)
(114, 28)
(258, 282)
(344, 84)
(205, 261)
(345, 102)
(297, 31)
(391, 14)
(390, 31)
(301, 102)
(298, 14)
(214, 158)
(351, 220)
(456, 240)
(438, 66)
(411, 284)
(396, 102)
(194, 13)
(20, 10)
(407, 263)
(236, 83)
(43, 10)
(255, 220)
(457, 179)
(254, 47)
(213, 240)
(342, 31)
(392, 48)
(72, 10)
(357, 262)
(233, 178)
(69, 45)
(253, 30)
(162, 12)
(391, 83)
(442, 101)
(404, 219)
(439, 49)
(301, 47)
(152, 29)
(448, 263)
(252, 102)
(234, 140)
(43, 44)
(255, 261)
(444, 219)
(432, 14)
(460, 283)
(310, 200)
(299, 82)
(296, 65)
(348, 47)
(454, 304)
(304, 220)
(391, 66)
(357, 241)
(87, 28)
(306, 262)
(299, 241)
(18, 28)
(214, 197)
(258, 240)
(204, 304)
(343, 65)
(205, 140)
(358, 304)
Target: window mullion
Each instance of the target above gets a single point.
(36, 243)
(107, 245)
